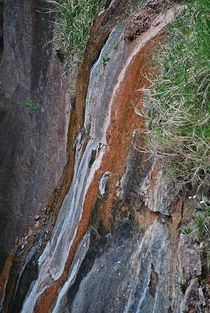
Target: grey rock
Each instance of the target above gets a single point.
(33, 145)
(189, 294)
(159, 190)
(131, 276)
(189, 260)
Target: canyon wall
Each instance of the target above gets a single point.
(110, 238)
(33, 144)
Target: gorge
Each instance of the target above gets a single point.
(98, 218)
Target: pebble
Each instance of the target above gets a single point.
(44, 210)
(37, 217)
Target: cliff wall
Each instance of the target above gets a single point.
(33, 144)
(111, 238)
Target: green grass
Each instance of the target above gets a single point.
(106, 60)
(199, 222)
(74, 18)
(184, 284)
(177, 105)
(186, 230)
(33, 107)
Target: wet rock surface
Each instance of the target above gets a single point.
(110, 238)
(123, 265)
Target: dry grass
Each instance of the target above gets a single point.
(177, 105)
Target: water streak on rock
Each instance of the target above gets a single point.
(106, 87)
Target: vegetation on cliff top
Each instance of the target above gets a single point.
(74, 18)
(177, 105)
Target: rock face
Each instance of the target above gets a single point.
(132, 265)
(33, 144)
(116, 244)
(1, 28)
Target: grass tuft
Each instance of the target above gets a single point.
(186, 230)
(199, 222)
(177, 105)
(74, 18)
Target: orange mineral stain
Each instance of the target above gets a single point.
(5, 272)
(123, 121)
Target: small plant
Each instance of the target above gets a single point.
(202, 283)
(184, 284)
(186, 230)
(32, 106)
(199, 222)
(106, 60)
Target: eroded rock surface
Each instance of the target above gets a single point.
(159, 189)
(116, 244)
(130, 265)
